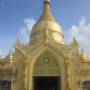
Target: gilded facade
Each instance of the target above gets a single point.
(46, 62)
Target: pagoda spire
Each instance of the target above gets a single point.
(46, 11)
(47, 6)
(11, 56)
(47, 1)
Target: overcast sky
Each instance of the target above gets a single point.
(16, 16)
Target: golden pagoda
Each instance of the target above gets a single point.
(46, 62)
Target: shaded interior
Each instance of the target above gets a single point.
(47, 83)
(5, 85)
(86, 85)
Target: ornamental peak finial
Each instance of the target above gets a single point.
(47, 1)
(11, 56)
(47, 11)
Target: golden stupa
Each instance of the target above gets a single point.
(47, 27)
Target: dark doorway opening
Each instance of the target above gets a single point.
(5, 85)
(86, 85)
(47, 83)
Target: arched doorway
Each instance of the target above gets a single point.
(46, 73)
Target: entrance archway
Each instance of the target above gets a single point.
(46, 73)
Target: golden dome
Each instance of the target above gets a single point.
(47, 27)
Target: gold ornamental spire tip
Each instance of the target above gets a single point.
(47, 1)
(47, 15)
(11, 56)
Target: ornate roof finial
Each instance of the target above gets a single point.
(0, 54)
(11, 56)
(47, 1)
(47, 12)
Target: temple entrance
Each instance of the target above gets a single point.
(46, 83)
(86, 85)
(5, 85)
(47, 73)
